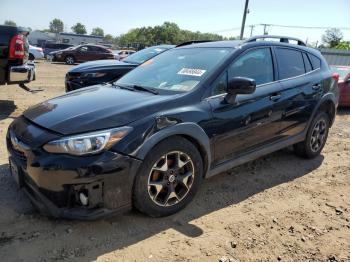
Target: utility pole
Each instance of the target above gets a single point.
(244, 17)
(265, 31)
(251, 30)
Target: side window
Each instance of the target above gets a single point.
(84, 49)
(220, 85)
(315, 61)
(256, 64)
(307, 63)
(290, 63)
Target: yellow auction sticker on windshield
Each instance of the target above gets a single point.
(191, 72)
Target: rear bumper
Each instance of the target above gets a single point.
(21, 74)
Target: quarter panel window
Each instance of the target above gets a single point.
(307, 63)
(290, 63)
(256, 64)
(315, 61)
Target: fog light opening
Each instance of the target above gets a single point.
(84, 198)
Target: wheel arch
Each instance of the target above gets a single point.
(327, 104)
(190, 131)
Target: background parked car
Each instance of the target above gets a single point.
(81, 53)
(97, 72)
(35, 52)
(121, 54)
(14, 52)
(343, 83)
(51, 47)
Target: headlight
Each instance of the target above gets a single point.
(90, 143)
(94, 75)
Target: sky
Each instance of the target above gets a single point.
(222, 17)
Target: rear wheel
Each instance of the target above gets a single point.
(70, 60)
(316, 137)
(168, 178)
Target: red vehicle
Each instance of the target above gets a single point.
(343, 83)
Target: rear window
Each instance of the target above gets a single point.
(290, 63)
(315, 61)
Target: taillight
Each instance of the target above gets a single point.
(16, 50)
(335, 76)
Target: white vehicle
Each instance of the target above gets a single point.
(35, 52)
(122, 54)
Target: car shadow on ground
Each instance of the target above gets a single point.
(7, 107)
(216, 193)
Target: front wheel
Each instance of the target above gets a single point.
(316, 137)
(168, 178)
(70, 60)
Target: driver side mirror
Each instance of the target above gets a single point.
(347, 81)
(239, 85)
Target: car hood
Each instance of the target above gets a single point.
(94, 108)
(100, 64)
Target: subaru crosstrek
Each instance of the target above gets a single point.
(148, 140)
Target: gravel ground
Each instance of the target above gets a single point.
(279, 207)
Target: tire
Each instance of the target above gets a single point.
(70, 60)
(160, 200)
(316, 137)
(31, 57)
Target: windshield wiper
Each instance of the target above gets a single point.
(137, 88)
(146, 89)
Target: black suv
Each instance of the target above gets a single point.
(14, 65)
(149, 139)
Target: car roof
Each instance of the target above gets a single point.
(213, 44)
(242, 43)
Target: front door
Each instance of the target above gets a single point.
(254, 119)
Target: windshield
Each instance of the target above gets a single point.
(342, 71)
(175, 70)
(145, 54)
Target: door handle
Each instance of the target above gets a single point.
(316, 86)
(275, 97)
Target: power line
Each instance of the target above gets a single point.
(284, 26)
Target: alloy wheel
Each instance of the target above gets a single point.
(318, 135)
(171, 178)
(70, 60)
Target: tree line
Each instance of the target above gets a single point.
(170, 33)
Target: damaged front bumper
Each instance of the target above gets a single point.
(72, 187)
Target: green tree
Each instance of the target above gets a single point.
(10, 22)
(167, 33)
(109, 38)
(56, 26)
(79, 28)
(332, 37)
(97, 31)
(343, 45)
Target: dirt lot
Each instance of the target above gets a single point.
(279, 207)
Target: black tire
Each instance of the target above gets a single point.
(31, 57)
(142, 199)
(69, 60)
(306, 149)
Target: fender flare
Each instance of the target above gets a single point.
(330, 97)
(191, 130)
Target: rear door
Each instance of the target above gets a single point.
(301, 89)
(253, 121)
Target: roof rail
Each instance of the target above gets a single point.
(283, 39)
(193, 42)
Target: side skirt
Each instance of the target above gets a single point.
(267, 149)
